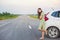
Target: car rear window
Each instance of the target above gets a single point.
(54, 14)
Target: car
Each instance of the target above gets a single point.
(53, 24)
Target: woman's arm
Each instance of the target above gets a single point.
(47, 14)
(41, 17)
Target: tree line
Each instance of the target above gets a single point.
(5, 14)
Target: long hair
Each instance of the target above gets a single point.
(39, 13)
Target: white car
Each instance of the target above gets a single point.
(53, 24)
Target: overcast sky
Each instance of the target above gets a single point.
(28, 6)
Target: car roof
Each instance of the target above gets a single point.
(56, 11)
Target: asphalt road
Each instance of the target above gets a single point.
(18, 29)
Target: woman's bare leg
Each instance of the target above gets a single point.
(46, 32)
(42, 38)
(43, 34)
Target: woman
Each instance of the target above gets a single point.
(41, 28)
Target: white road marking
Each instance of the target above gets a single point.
(4, 24)
(30, 27)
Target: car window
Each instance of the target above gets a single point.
(54, 14)
(58, 13)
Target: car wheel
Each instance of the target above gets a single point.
(53, 32)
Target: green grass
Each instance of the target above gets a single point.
(7, 17)
(34, 16)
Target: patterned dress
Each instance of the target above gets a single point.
(42, 22)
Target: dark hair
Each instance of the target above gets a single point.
(39, 13)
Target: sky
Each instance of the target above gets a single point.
(28, 6)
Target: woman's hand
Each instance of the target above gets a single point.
(40, 17)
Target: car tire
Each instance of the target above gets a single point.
(53, 32)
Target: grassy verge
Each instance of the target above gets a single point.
(34, 16)
(7, 17)
(4, 16)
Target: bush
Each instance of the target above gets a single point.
(7, 15)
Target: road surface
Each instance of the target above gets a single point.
(19, 29)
